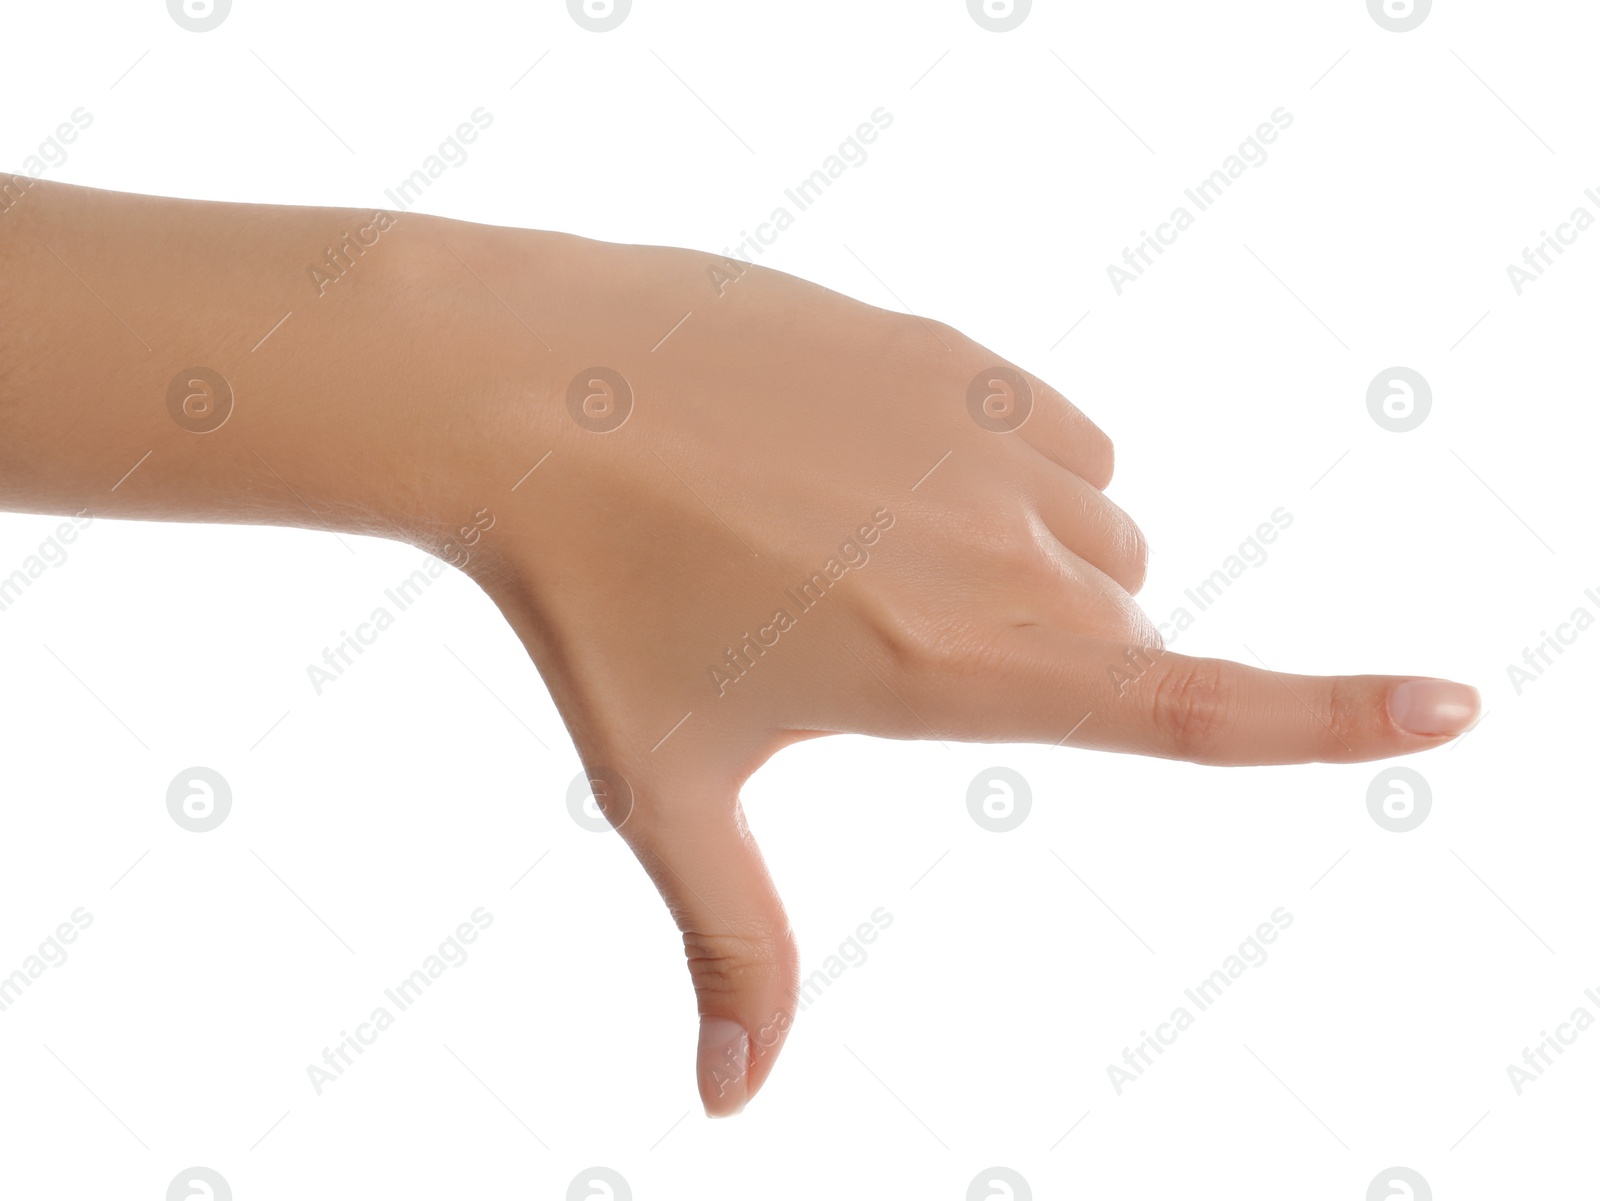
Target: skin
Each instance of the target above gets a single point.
(973, 583)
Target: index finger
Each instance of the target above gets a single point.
(1075, 691)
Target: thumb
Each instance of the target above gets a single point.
(693, 841)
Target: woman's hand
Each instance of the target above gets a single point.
(724, 509)
(762, 511)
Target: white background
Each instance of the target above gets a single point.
(369, 821)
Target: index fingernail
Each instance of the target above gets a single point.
(1433, 707)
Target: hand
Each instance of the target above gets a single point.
(724, 509)
(763, 512)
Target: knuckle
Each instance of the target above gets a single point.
(1138, 560)
(1119, 618)
(946, 333)
(1108, 457)
(1192, 708)
(1347, 718)
(930, 641)
(1128, 552)
(921, 643)
(914, 339)
(1015, 549)
(728, 965)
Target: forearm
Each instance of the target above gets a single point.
(187, 360)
